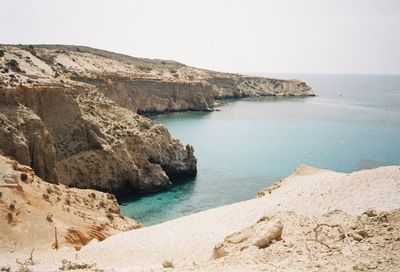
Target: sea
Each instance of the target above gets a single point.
(353, 123)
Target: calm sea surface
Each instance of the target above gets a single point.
(353, 123)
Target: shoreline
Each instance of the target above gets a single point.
(307, 193)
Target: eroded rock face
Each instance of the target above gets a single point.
(335, 240)
(24, 137)
(81, 138)
(141, 85)
(37, 214)
(71, 114)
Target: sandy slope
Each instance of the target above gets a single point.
(189, 241)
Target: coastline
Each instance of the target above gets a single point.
(189, 241)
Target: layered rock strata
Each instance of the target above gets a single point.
(71, 114)
(37, 214)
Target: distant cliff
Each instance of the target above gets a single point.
(70, 112)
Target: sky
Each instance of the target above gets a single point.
(248, 36)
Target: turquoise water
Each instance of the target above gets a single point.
(354, 123)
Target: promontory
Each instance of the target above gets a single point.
(75, 114)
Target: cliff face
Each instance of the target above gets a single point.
(142, 85)
(71, 113)
(81, 138)
(36, 214)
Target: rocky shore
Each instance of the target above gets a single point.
(40, 215)
(71, 113)
(314, 220)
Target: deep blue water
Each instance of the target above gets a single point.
(353, 123)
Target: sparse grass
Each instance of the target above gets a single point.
(110, 216)
(31, 49)
(144, 126)
(102, 204)
(23, 265)
(10, 217)
(50, 190)
(69, 266)
(110, 196)
(13, 65)
(49, 59)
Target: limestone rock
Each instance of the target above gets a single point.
(167, 264)
(260, 235)
(71, 113)
(39, 213)
(270, 233)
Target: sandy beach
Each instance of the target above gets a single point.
(189, 241)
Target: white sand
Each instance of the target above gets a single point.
(309, 192)
(191, 239)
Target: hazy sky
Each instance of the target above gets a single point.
(292, 36)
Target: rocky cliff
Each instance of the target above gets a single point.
(36, 214)
(71, 113)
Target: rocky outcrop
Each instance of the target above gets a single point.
(82, 139)
(71, 113)
(37, 214)
(141, 85)
(291, 242)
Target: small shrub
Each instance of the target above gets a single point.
(144, 126)
(49, 217)
(111, 197)
(1, 194)
(15, 165)
(50, 190)
(92, 195)
(102, 204)
(45, 196)
(9, 217)
(68, 202)
(49, 59)
(12, 207)
(1, 53)
(110, 216)
(13, 65)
